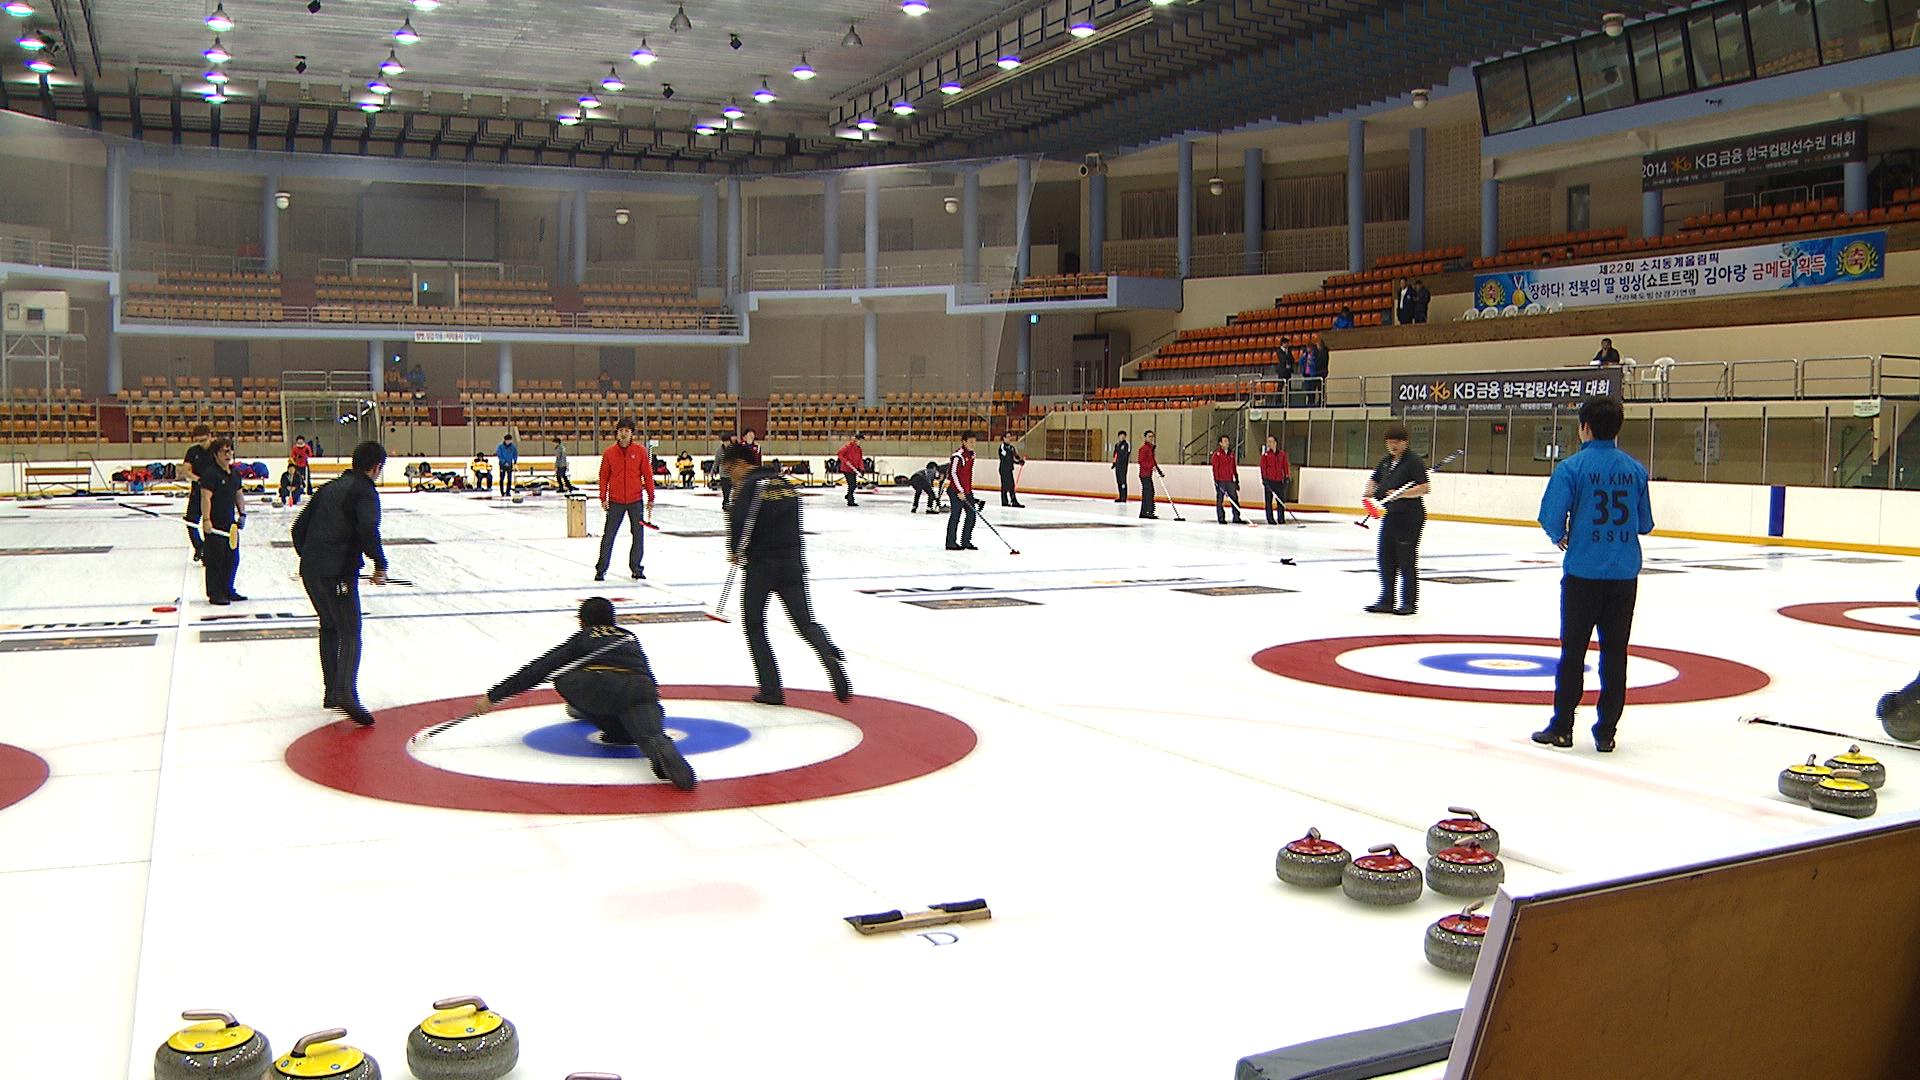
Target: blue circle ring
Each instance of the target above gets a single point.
(1464, 664)
(692, 734)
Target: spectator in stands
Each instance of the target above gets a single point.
(1344, 320)
(196, 462)
(1422, 299)
(223, 513)
(1607, 356)
(853, 462)
(300, 458)
(1226, 483)
(1402, 301)
(606, 385)
(960, 494)
(417, 382)
(626, 493)
(1122, 456)
(1149, 468)
(1313, 369)
(482, 473)
(1009, 459)
(560, 481)
(684, 463)
(341, 524)
(509, 456)
(1274, 470)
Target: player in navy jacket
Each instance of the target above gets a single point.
(1597, 509)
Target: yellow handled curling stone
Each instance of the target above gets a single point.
(322, 1054)
(215, 1047)
(463, 1040)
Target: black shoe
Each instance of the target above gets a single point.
(198, 557)
(667, 760)
(235, 596)
(968, 547)
(1239, 521)
(575, 714)
(770, 697)
(1381, 607)
(1149, 517)
(837, 674)
(329, 702)
(358, 713)
(1018, 506)
(606, 739)
(639, 575)
(1604, 744)
(955, 547)
(221, 602)
(599, 575)
(1405, 610)
(1550, 737)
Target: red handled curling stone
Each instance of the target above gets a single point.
(1466, 870)
(1872, 772)
(215, 1047)
(462, 1040)
(1311, 862)
(1844, 793)
(1465, 825)
(1384, 878)
(1453, 943)
(1797, 780)
(322, 1054)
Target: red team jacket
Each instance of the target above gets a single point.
(1148, 463)
(300, 454)
(626, 474)
(1274, 466)
(962, 470)
(852, 459)
(1225, 468)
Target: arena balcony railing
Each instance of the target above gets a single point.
(337, 316)
(34, 252)
(812, 279)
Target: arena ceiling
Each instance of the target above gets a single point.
(500, 80)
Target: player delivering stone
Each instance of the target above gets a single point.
(1597, 509)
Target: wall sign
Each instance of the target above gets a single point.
(1462, 392)
(1756, 155)
(1784, 264)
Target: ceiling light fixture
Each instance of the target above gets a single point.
(40, 65)
(34, 41)
(426, 5)
(1008, 62)
(765, 94)
(589, 100)
(903, 108)
(1083, 27)
(219, 22)
(680, 21)
(612, 84)
(951, 85)
(704, 128)
(915, 8)
(380, 88)
(19, 9)
(733, 111)
(370, 106)
(622, 215)
(1162, 3)
(392, 65)
(406, 35)
(216, 77)
(851, 40)
(568, 119)
(643, 55)
(282, 199)
(803, 70)
(215, 54)
(1613, 24)
(217, 98)
(865, 124)
(1420, 96)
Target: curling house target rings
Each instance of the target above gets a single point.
(897, 742)
(1696, 677)
(1840, 614)
(21, 774)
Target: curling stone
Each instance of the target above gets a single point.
(1453, 943)
(1797, 780)
(1464, 826)
(1872, 773)
(215, 1047)
(322, 1054)
(1384, 877)
(463, 1040)
(1311, 863)
(1900, 713)
(1844, 793)
(1465, 870)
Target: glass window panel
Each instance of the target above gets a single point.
(1850, 28)
(1604, 72)
(1673, 56)
(1906, 23)
(1646, 62)
(1706, 49)
(1503, 96)
(1556, 95)
(1732, 30)
(1782, 32)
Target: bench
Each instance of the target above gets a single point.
(76, 479)
(460, 466)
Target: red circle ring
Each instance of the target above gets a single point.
(21, 774)
(897, 742)
(1699, 678)
(1836, 615)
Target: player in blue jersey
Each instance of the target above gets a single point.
(1597, 509)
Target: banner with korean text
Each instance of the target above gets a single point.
(1784, 264)
(1464, 392)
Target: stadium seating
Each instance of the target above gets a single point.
(931, 415)
(1082, 286)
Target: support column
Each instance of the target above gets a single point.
(1252, 203)
(579, 251)
(709, 232)
(733, 370)
(870, 221)
(1097, 221)
(870, 368)
(118, 186)
(1417, 189)
(376, 365)
(1184, 245)
(116, 378)
(970, 226)
(1853, 177)
(1356, 195)
(1022, 356)
(1489, 218)
(830, 225)
(562, 234)
(1653, 213)
(270, 223)
(1023, 217)
(503, 384)
(734, 210)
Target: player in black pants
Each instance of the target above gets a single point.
(1009, 457)
(223, 513)
(340, 524)
(1400, 480)
(606, 681)
(928, 482)
(763, 531)
(196, 461)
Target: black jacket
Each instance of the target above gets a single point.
(774, 506)
(597, 648)
(340, 524)
(1009, 457)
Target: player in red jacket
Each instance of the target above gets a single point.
(1149, 466)
(960, 487)
(1274, 470)
(626, 491)
(1226, 483)
(853, 462)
